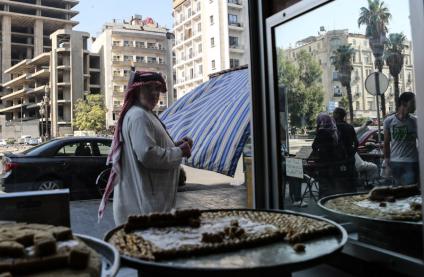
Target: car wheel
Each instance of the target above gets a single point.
(101, 182)
(50, 185)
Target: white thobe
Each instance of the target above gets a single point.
(150, 164)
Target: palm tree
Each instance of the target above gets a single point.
(393, 55)
(376, 17)
(342, 61)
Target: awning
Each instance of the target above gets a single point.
(216, 115)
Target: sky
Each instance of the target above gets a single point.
(340, 14)
(94, 13)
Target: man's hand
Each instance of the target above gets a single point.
(185, 139)
(189, 141)
(186, 149)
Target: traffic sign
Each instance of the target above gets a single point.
(370, 83)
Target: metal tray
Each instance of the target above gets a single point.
(268, 259)
(361, 219)
(110, 256)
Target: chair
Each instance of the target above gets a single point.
(311, 188)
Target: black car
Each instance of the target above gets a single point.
(72, 162)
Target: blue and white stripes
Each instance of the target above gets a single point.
(216, 115)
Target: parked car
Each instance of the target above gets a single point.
(3, 142)
(33, 141)
(73, 162)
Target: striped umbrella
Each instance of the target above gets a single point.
(216, 115)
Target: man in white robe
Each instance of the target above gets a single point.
(145, 160)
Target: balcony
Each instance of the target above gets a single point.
(237, 48)
(15, 94)
(236, 26)
(14, 107)
(234, 2)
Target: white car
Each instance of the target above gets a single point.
(3, 142)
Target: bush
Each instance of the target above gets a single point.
(10, 141)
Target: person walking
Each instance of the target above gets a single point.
(145, 160)
(400, 141)
(349, 141)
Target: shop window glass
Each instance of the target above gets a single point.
(319, 153)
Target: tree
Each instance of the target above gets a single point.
(394, 46)
(342, 61)
(90, 114)
(302, 80)
(376, 18)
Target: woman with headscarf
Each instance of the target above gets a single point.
(145, 160)
(331, 154)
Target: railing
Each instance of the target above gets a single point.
(236, 24)
(235, 2)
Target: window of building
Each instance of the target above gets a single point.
(127, 43)
(117, 88)
(60, 113)
(335, 76)
(191, 73)
(212, 42)
(211, 19)
(337, 91)
(199, 48)
(357, 105)
(391, 109)
(128, 58)
(198, 6)
(370, 105)
(189, 12)
(232, 19)
(116, 58)
(116, 73)
(200, 69)
(116, 43)
(126, 73)
(234, 43)
(310, 49)
(234, 63)
(151, 60)
(151, 45)
(190, 53)
(139, 59)
(199, 27)
(139, 44)
(213, 64)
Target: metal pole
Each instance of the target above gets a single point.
(22, 105)
(377, 89)
(42, 129)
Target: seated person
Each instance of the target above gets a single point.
(82, 150)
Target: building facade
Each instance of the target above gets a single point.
(42, 91)
(321, 47)
(210, 36)
(138, 42)
(26, 26)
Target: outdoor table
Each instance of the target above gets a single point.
(274, 259)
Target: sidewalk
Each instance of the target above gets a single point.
(205, 177)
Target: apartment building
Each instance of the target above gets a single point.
(322, 46)
(26, 26)
(141, 42)
(42, 90)
(210, 36)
